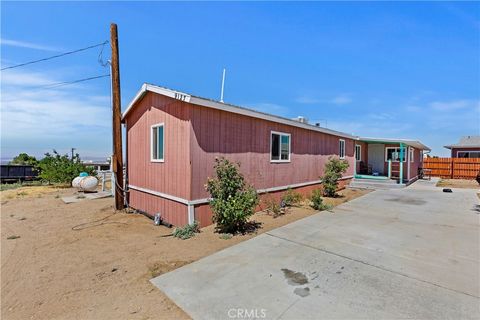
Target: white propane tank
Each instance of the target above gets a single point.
(88, 183)
(76, 182)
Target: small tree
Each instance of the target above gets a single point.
(232, 200)
(334, 169)
(56, 168)
(24, 159)
(317, 201)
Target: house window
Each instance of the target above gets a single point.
(358, 152)
(394, 154)
(279, 147)
(157, 143)
(468, 154)
(341, 151)
(412, 154)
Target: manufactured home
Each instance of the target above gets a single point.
(173, 138)
(466, 147)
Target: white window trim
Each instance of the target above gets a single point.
(344, 149)
(359, 153)
(467, 151)
(404, 154)
(280, 146)
(157, 125)
(411, 154)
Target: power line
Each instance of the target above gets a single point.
(61, 84)
(56, 56)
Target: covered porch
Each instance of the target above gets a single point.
(388, 159)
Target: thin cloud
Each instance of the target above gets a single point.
(341, 100)
(453, 105)
(27, 45)
(50, 118)
(307, 100)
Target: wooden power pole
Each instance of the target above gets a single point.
(117, 159)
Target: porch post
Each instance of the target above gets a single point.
(408, 163)
(400, 180)
(354, 159)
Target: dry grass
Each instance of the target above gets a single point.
(458, 183)
(84, 261)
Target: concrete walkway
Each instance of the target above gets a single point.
(407, 253)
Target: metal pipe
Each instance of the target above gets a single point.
(223, 85)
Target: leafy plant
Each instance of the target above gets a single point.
(226, 236)
(334, 169)
(232, 200)
(292, 197)
(317, 201)
(24, 159)
(274, 207)
(187, 231)
(56, 168)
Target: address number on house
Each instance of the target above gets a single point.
(182, 97)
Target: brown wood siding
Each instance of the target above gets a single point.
(173, 175)
(246, 140)
(454, 168)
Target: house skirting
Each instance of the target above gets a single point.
(179, 211)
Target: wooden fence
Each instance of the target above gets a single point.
(452, 168)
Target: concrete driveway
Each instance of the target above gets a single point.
(407, 253)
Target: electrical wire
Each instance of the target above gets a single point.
(56, 85)
(61, 84)
(56, 56)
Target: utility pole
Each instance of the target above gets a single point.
(73, 150)
(117, 158)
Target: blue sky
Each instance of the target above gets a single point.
(405, 70)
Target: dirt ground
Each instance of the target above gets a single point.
(458, 183)
(84, 261)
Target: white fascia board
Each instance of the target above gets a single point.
(162, 91)
(413, 143)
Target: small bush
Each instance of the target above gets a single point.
(292, 198)
(334, 169)
(24, 159)
(232, 200)
(317, 201)
(226, 236)
(274, 207)
(56, 168)
(187, 231)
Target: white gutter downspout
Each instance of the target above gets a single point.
(191, 213)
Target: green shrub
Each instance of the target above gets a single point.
(292, 197)
(317, 201)
(187, 231)
(56, 168)
(232, 200)
(274, 207)
(334, 169)
(24, 159)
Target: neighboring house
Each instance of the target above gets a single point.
(173, 139)
(467, 147)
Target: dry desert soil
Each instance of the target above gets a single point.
(86, 261)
